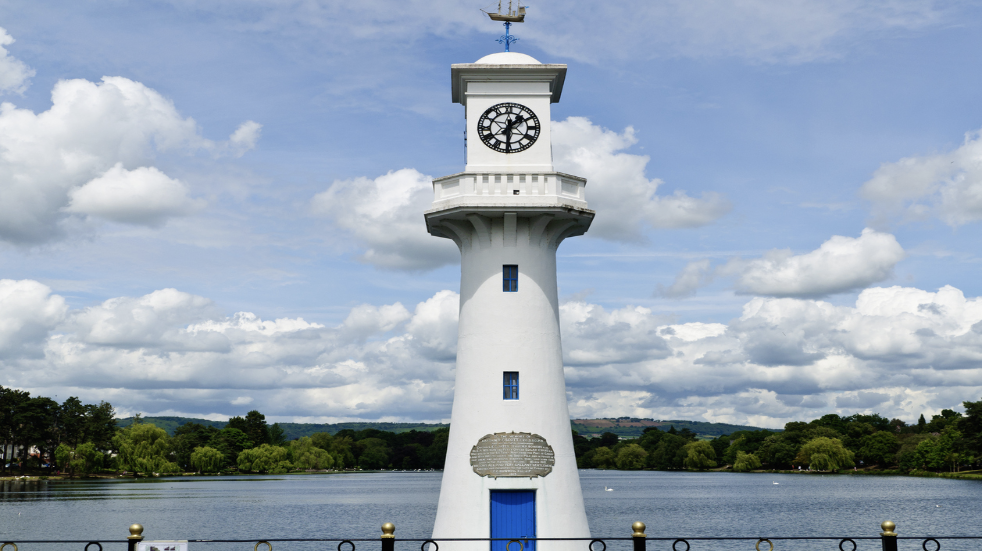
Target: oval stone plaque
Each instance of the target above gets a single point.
(519, 454)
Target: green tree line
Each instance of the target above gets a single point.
(249, 444)
(41, 436)
(33, 429)
(950, 441)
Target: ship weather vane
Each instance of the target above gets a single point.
(511, 16)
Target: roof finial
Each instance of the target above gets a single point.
(512, 16)
(506, 38)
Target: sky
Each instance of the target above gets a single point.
(209, 207)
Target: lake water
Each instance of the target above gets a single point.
(672, 504)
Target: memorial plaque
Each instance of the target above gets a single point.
(163, 545)
(518, 454)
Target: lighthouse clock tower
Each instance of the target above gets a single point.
(510, 470)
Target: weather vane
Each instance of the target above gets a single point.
(512, 16)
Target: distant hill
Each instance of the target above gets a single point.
(292, 431)
(631, 427)
(625, 427)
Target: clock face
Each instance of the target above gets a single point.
(508, 127)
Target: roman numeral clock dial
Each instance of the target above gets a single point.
(508, 127)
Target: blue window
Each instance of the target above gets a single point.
(512, 517)
(510, 273)
(511, 385)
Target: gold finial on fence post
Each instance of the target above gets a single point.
(639, 536)
(888, 536)
(388, 536)
(135, 537)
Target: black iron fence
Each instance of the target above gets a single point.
(886, 540)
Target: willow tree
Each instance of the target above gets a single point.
(207, 460)
(305, 455)
(80, 460)
(699, 455)
(264, 459)
(144, 448)
(745, 462)
(825, 454)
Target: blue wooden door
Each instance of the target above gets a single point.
(513, 517)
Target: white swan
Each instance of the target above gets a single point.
(606, 489)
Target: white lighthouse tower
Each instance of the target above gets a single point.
(510, 469)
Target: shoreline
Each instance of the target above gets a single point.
(964, 475)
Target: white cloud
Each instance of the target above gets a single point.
(946, 185)
(366, 320)
(839, 265)
(15, 75)
(618, 188)
(154, 320)
(898, 351)
(144, 196)
(28, 312)
(92, 153)
(244, 138)
(694, 275)
(385, 215)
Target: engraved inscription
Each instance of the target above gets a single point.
(519, 454)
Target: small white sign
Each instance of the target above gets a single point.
(163, 545)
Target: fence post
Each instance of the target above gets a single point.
(639, 536)
(388, 536)
(135, 537)
(888, 536)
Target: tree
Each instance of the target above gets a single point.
(971, 427)
(11, 401)
(207, 460)
(936, 453)
(264, 459)
(700, 455)
(825, 454)
(374, 454)
(631, 457)
(879, 448)
(304, 455)
(35, 424)
(144, 448)
(670, 454)
(100, 425)
(253, 425)
(277, 436)
(72, 421)
(81, 460)
(745, 462)
(777, 451)
(231, 442)
(604, 458)
(189, 437)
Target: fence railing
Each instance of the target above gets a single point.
(888, 539)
